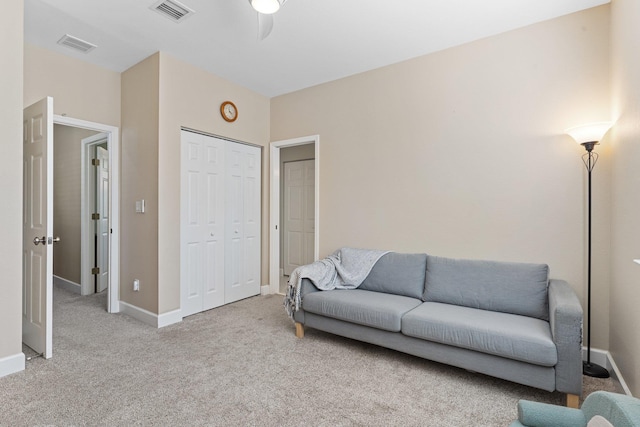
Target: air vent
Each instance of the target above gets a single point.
(173, 10)
(76, 43)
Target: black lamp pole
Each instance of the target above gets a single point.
(588, 368)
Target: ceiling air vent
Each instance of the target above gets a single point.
(172, 9)
(76, 43)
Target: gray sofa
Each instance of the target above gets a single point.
(507, 320)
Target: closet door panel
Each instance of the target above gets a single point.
(252, 219)
(243, 219)
(202, 223)
(213, 227)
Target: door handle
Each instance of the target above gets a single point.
(43, 240)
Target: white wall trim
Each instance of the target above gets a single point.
(598, 356)
(618, 375)
(166, 319)
(67, 285)
(113, 145)
(139, 314)
(274, 205)
(151, 319)
(605, 359)
(87, 199)
(12, 364)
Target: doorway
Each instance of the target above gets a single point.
(276, 237)
(297, 234)
(87, 148)
(37, 307)
(81, 257)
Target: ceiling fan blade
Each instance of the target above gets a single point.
(265, 25)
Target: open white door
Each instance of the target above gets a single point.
(37, 238)
(102, 223)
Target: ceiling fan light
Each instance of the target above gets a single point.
(265, 6)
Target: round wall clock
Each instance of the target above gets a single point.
(229, 111)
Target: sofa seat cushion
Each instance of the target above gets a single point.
(398, 274)
(509, 287)
(373, 309)
(522, 338)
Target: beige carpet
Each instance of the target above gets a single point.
(241, 365)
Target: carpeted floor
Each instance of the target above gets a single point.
(241, 365)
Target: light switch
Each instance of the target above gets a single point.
(140, 206)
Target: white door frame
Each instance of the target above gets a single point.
(274, 203)
(113, 297)
(87, 199)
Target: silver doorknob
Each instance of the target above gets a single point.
(42, 240)
(56, 239)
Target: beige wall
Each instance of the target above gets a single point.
(139, 177)
(161, 95)
(66, 202)
(461, 153)
(191, 97)
(11, 64)
(625, 283)
(79, 89)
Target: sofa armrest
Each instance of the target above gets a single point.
(565, 318)
(536, 414)
(307, 287)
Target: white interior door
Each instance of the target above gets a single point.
(102, 224)
(202, 223)
(299, 214)
(37, 244)
(242, 244)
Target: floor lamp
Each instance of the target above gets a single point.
(589, 136)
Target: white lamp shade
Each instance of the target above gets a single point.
(265, 6)
(592, 132)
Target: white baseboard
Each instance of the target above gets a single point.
(166, 319)
(265, 290)
(67, 285)
(12, 364)
(152, 319)
(605, 359)
(598, 356)
(618, 375)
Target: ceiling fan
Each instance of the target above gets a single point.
(266, 9)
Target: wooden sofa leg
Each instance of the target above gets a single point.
(299, 330)
(573, 401)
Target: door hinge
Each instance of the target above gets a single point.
(95, 270)
(95, 216)
(95, 162)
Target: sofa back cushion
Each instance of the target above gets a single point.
(508, 287)
(399, 274)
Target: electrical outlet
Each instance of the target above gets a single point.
(136, 285)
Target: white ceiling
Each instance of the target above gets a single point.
(313, 41)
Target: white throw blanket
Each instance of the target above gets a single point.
(346, 268)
